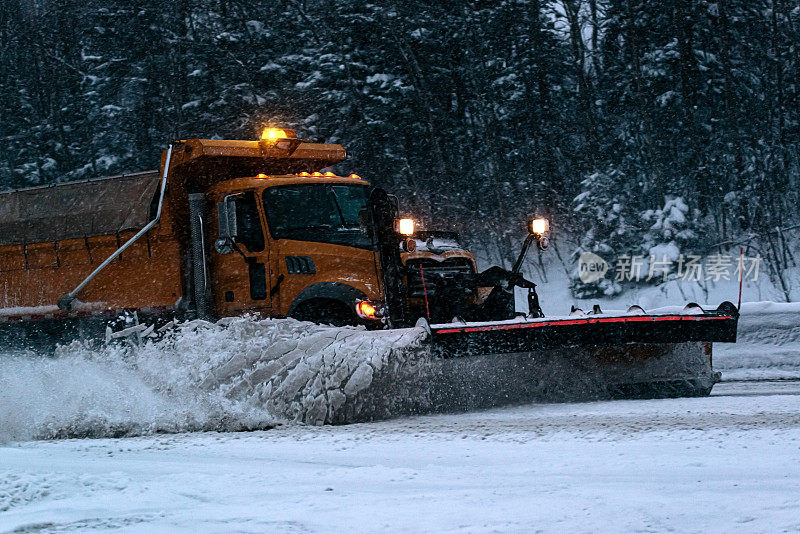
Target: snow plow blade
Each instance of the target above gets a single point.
(583, 358)
(509, 337)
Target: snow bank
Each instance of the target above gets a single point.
(241, 373)
(768, 344)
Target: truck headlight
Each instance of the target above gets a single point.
(368, 310)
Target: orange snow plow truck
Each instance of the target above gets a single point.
(230, 227)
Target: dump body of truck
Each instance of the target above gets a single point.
(52, 237)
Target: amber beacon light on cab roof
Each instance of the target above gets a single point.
(229, 227)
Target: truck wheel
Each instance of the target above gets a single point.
(325, 311)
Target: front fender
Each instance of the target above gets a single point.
(343, 293)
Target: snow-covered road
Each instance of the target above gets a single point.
(730, 462)
(720, 464)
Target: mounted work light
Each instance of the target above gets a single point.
(278, 142)
(273, 134)
(405, 226)
(539, 226)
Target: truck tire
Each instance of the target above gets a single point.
(325, 311)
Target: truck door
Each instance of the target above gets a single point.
(241, 278)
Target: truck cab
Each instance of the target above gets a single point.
(299, 249)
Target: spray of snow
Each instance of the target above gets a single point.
(237, 374)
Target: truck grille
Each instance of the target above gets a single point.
(456, 272)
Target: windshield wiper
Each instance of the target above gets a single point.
(338, 206)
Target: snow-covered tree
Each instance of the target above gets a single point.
(671, 232)
(604, 212)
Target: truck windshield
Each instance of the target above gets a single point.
(326, 213)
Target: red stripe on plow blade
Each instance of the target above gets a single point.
(588, 320)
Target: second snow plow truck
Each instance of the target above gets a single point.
(227, 228)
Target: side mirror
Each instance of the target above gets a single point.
(226, 215)
(226, 212)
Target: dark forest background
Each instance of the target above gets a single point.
(631, 124)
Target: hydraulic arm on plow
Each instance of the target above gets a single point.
(233, 227)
